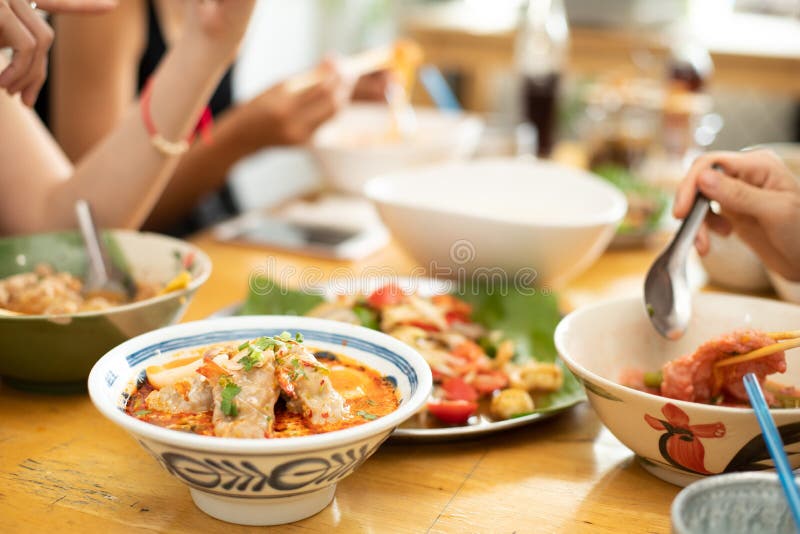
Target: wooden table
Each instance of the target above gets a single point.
(65, 468)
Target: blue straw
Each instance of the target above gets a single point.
(774, 444)
(437, 87)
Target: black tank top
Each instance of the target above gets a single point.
(220, 204)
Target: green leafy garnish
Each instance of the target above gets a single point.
(229, 392)
(253, 358)
(366, 415)
(298, 337)
(274, 299)
(265, 342)
(140, 413)
(244, 345)
(366, 316)
(284, 336)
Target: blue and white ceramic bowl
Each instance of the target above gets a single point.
(736, 503)
(261, 481)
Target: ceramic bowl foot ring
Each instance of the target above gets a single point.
(263, 512)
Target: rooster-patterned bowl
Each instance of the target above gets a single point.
(261, 481)
(675, 440)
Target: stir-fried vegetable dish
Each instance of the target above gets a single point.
(472, 366)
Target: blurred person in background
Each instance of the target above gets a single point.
(127, 170)
(759, 197)
(100, 62)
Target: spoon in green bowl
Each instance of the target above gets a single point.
(102, 276)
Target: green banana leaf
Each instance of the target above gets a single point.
(529, 318)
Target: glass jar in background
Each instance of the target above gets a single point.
(540, 54)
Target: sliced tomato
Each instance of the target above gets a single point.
(388, 295)
(456, 389)
(489, 381)
(452, 412)
(452, 304)
(428, 327)
(469, 350)
(455, 317)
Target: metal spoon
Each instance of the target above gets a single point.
(666, 288)
(102, 276)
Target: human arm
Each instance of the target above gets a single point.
(94, 74)
(124, 174)
(759, 199)
(279, 116)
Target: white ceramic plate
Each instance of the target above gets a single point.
(411, 430)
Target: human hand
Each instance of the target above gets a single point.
(29, 38)
(372, 87)
(217, 25)
(76, 6)
(759, 199)
(283, 115)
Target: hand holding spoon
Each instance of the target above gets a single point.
(666, 289)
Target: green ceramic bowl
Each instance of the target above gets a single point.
(56, 352)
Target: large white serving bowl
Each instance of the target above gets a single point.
(261, 481)
(676, 441)
(353, 147)
(526, 218)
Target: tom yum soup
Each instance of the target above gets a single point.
(269, 387)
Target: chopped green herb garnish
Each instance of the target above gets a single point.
(298, 337)
(229, 392)
(264, 343)
(366, 415)
(244, 345)
(253, 358)
(371, 402)
(295, 363)
(139, 413)
(322, 369)
(284, 336)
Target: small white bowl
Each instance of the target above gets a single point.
(730, 263)
(352, 147)
(529, 219)
(694, 440)
(786, 290)
(261, 481)
(737, 503)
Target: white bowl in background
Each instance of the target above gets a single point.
(535, 221)
(694, 440)
(354, 146)
(786, 290)
(261, 481)
(788, 152)
(730, 263)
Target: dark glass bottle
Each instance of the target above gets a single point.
(540, 54)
